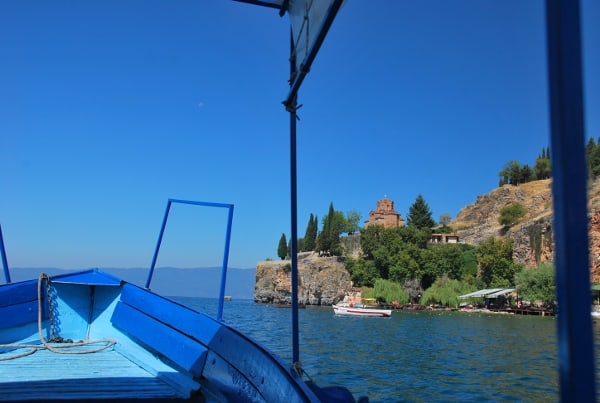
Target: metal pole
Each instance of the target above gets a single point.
(225, 262)
(4, 260)
(569, 177)
(160, 236)
(291, 107)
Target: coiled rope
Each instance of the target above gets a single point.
(58, 348)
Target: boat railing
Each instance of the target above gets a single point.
(4, 260)
(229, 207)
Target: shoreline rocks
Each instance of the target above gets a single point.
(321, 280)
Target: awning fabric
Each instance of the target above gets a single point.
(481, 293)
(500, 293)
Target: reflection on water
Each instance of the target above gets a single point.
(413, 356)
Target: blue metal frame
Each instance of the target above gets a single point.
(4, 260)
(225, 252)
(569, 180)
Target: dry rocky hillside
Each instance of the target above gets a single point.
(532, 235)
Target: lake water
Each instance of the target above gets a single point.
(414, 356)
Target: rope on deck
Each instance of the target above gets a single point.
(54, 347)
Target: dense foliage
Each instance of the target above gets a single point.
(496, 265)
(327, 241)
(406, 256)
(386, 291)
(445, 291)
(537, 285)
(592, 153)
(515, 174)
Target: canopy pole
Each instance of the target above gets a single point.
(569, 177)
(291, 107)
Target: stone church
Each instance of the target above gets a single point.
(385, 215)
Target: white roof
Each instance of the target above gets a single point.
(481, 293)
(500, 293)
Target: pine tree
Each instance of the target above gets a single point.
(282, 250)
(419, 215)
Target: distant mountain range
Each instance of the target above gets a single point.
(168, 281)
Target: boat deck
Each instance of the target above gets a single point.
(106, 375)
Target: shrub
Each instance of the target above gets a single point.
(512, 213)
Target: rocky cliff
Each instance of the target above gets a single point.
(532, 235)
(321, 280)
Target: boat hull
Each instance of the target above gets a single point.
(162, 349)
(357, 311)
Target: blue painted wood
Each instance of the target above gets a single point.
(88, 277)
(21, 314)
(160, 338)
(194, 324)
(106, 375)
(234, 362)
(11, 294)
(19, 304)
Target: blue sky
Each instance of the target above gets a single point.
(109, 108)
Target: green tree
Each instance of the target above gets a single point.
(386, 291)
(537, 284)
(352, 220)
(526, 174)
(370, 239)
(282, 249)
(310, 235)
(511, 173)
(328, 240)
(542, 168)
(443, 260)
(419, 215)
(445, 291)
(469, 265)
(511, 214)
(592, 152)
(497, 269)
(362, 272)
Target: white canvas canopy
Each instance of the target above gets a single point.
(500, 293)
(481, 293)
(310, 21)
(307, 19)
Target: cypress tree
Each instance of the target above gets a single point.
(310, 236)
(282, 249)
(328, 239)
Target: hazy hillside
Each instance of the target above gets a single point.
(202, 282)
